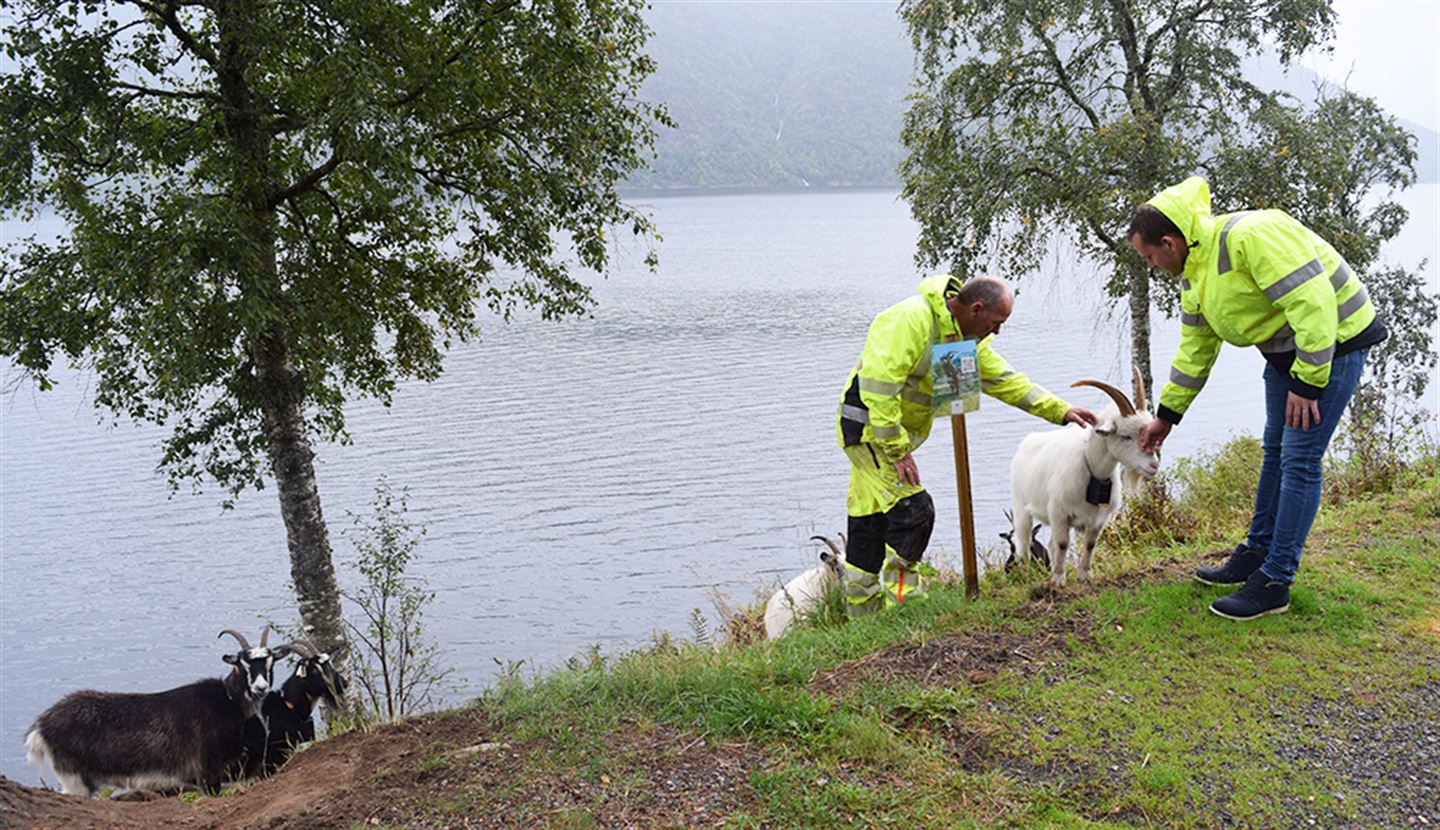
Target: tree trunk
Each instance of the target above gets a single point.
(292, 462)
(1139, 282)
(281, 389)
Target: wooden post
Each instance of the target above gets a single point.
(967, 510)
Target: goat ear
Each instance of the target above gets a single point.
(827, 557)
(232, 659)
(1106, 428)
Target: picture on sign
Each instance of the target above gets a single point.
(956, 372)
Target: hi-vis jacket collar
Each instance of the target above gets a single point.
(1187, 204)
(935, 289)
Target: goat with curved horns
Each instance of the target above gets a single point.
(286, 719)
(1063, 478)
(805, 593)
(189, 735)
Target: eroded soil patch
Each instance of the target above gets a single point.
(957, 658)
(441, 771)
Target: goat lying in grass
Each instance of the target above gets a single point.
(806, 592)
(1064, 478)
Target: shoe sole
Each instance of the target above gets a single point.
(1203, 581)
(1282, 609)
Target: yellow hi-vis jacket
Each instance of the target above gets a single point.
(1256, 278)
(888, 398)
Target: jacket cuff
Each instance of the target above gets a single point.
(1168, 415)
(1305, 390)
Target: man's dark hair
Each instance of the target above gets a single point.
(1152, 225)
(984, 290)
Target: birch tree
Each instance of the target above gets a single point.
(1044, 121)
(273, 207)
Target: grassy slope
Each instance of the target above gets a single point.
(1136, 707)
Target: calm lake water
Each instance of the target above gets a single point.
(587, 482)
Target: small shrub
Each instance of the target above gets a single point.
(1379, 450)
(397, 670)
(1218, 487)
(1151, 519)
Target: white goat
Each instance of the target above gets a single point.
(803, 594)
(1050, 477)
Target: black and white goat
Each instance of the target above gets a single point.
(189, 735)
(1064, 478)
(1037, 549)
(286, 718)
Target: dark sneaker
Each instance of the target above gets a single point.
(1232, 571)
(1259, 596)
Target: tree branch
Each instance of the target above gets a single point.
(169, 15)
(307, 182)
(1053, 58)
(144, 91)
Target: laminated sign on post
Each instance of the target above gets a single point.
(956, 373)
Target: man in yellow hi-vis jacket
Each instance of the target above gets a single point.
(1260, 278)
(886, 411)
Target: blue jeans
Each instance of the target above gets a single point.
(1289, 492)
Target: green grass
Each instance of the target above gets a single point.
(1159, 714)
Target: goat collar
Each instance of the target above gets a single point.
(1097, 490)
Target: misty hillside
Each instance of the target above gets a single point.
(807, 94)
(778, 94)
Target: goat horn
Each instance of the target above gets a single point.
(1139, 389)
(1126, 408)
(302, 648)
(264, 635)
(244, 643)
(833, 548)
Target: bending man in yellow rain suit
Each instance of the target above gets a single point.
(885, 415)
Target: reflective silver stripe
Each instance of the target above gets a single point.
(1353, 304)
(1179, 378)
(854, 413)
(915, 396)
(1319, 358)
(1292, 280)
(1004, 377)
(1224, 259)
(1193, 319)
(884, 432)
(1028, 402)
(879, 387)
(1283, 341)
(1340, 277)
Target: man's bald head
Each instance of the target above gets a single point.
(988, 291)
(981, 306)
